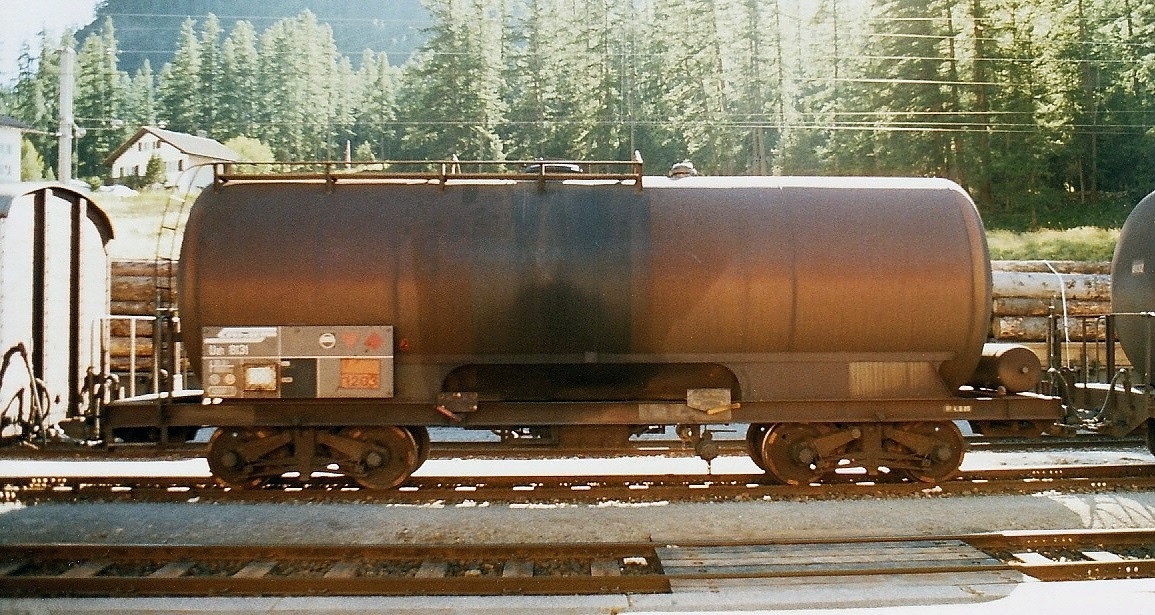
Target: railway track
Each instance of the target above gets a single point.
(578, 489)
(235, 570)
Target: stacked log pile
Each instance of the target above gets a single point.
(1025, 294)
(134, 298)
(1028, 292)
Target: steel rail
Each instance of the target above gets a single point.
(578, 488)
(188, 570)
(1082, 555)
(545, 569)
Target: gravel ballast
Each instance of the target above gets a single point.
(533, 522)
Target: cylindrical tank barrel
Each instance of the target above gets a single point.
(1015, 368)
(1133, 286)
(727, 270)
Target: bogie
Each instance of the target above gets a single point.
(377, 457)
(803, 453)
(247, 457)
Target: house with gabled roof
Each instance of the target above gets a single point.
(11, 131)
(181, 153)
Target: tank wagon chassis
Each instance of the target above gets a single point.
(381, 446)
(350, 373)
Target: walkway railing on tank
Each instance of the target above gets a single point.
(625, 172)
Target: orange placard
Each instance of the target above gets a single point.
(360, 374)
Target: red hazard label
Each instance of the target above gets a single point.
(373, 341)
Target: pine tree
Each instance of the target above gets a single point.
(298, 64)
(239, 85)
(531, 87)
(210, 74)
(36, 95)
(376, 112)
(705, 72)
(760, 104)
(179, 87)
(450, 100)
(1127, 98)
(903, 94)
(153, 172)
(826, 92)
(31, 163)
(1071, 113)
(101, 91)
(345, 94)
(1004, 154)
(140, 99)
(595, 83)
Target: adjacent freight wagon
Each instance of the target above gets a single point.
(333, 316)
(53, 293)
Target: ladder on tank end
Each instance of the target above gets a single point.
(167, 362)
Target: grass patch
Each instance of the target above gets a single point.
(1084, 243)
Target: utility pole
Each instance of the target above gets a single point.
(67, 122)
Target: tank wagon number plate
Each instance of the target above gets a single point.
(298, 362)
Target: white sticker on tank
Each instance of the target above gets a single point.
(1137, 266)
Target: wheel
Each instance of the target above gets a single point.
(789, 454)
(938, 448)
(246, 457)
(755, 433)
(386, 457)
(421, 436)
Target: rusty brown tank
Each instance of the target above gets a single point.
(777, 288)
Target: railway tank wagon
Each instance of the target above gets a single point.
(333, 318)
(1133, 311)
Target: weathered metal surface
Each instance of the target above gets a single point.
(1013, 367)
(134, 293)
(581, 275)
(1133, 286)
(515, 414)
(53, 289)
(1014, 318)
